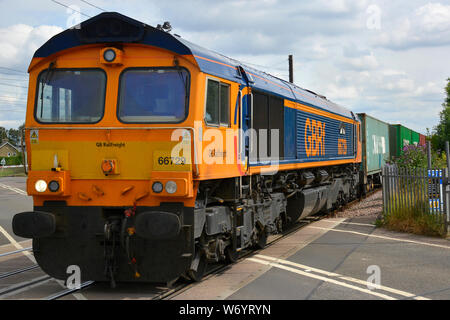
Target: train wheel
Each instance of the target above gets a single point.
(293, 210)
(231, 255)
(197, 275)
(262, 240)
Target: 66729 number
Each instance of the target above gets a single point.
(171, 160)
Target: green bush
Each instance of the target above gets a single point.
(413, 157)
(13, 161)
(413, 219)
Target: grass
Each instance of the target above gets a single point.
(12, 172)
(414, 219)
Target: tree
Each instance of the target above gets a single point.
(13, 136)
(442, 130)
(3, 134)
(22, 133)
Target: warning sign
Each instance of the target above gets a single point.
(34, 136)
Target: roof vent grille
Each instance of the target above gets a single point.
(110, 27)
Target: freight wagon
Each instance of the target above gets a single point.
(375, 150)
(399, 137)
(415, 138)
(422, 140)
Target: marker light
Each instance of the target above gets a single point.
(40, 186)
(157, 187)
(171, 187)
(109, 55)
(53, 186)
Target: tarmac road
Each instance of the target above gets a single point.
(339, 258)
(13, 199)
(408, 270)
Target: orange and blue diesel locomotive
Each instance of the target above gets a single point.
(150, 156)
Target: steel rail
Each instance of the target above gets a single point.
(14, 252)
(12, 273)
(68, 291)
(20, 286)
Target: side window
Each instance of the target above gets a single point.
(268, 114)
(217, 103)
(224, 104)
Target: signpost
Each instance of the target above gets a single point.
(435, 190)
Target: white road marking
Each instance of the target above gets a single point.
(340, 276)
(78, 296)
(383, 237)
(325, 279)
(22, 243)
(16, 190)
(16, 244)
(352, 223)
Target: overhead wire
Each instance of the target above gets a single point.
(92, 5)
(71, 8)
(8, 98)
(9, 79)
(14, 74)
(12, 85)
(11, 69)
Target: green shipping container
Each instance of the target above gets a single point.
(399, 137)
(415, 138)
(375, 146)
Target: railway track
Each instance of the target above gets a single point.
(68, 291)
(178, 288)
(29, 284)
(20, 270)
(173, 292)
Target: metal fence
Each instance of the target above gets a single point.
(417, 190)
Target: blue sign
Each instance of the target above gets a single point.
(435, 191)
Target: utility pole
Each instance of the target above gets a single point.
(291, 69)
(446, 190)
(429, 154)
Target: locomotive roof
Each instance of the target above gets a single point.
(113, 27)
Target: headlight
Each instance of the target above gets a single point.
(53, 186)
(40, 186)
(157, 187)
(109, 55)
(171, 187)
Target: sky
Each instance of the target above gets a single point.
(389, 59)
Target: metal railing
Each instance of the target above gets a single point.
(419, 189)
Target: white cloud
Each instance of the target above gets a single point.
(428, 25)
(396, 73)
(342, 93)
(365, 62)
(434, 17)
(18, 44)
(20, 41)
(12, 123)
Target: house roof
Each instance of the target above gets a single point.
(114, 28)
(11, 145)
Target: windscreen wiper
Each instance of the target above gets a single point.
(48, 77)
(185, 83)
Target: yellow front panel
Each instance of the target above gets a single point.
(84, 158)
